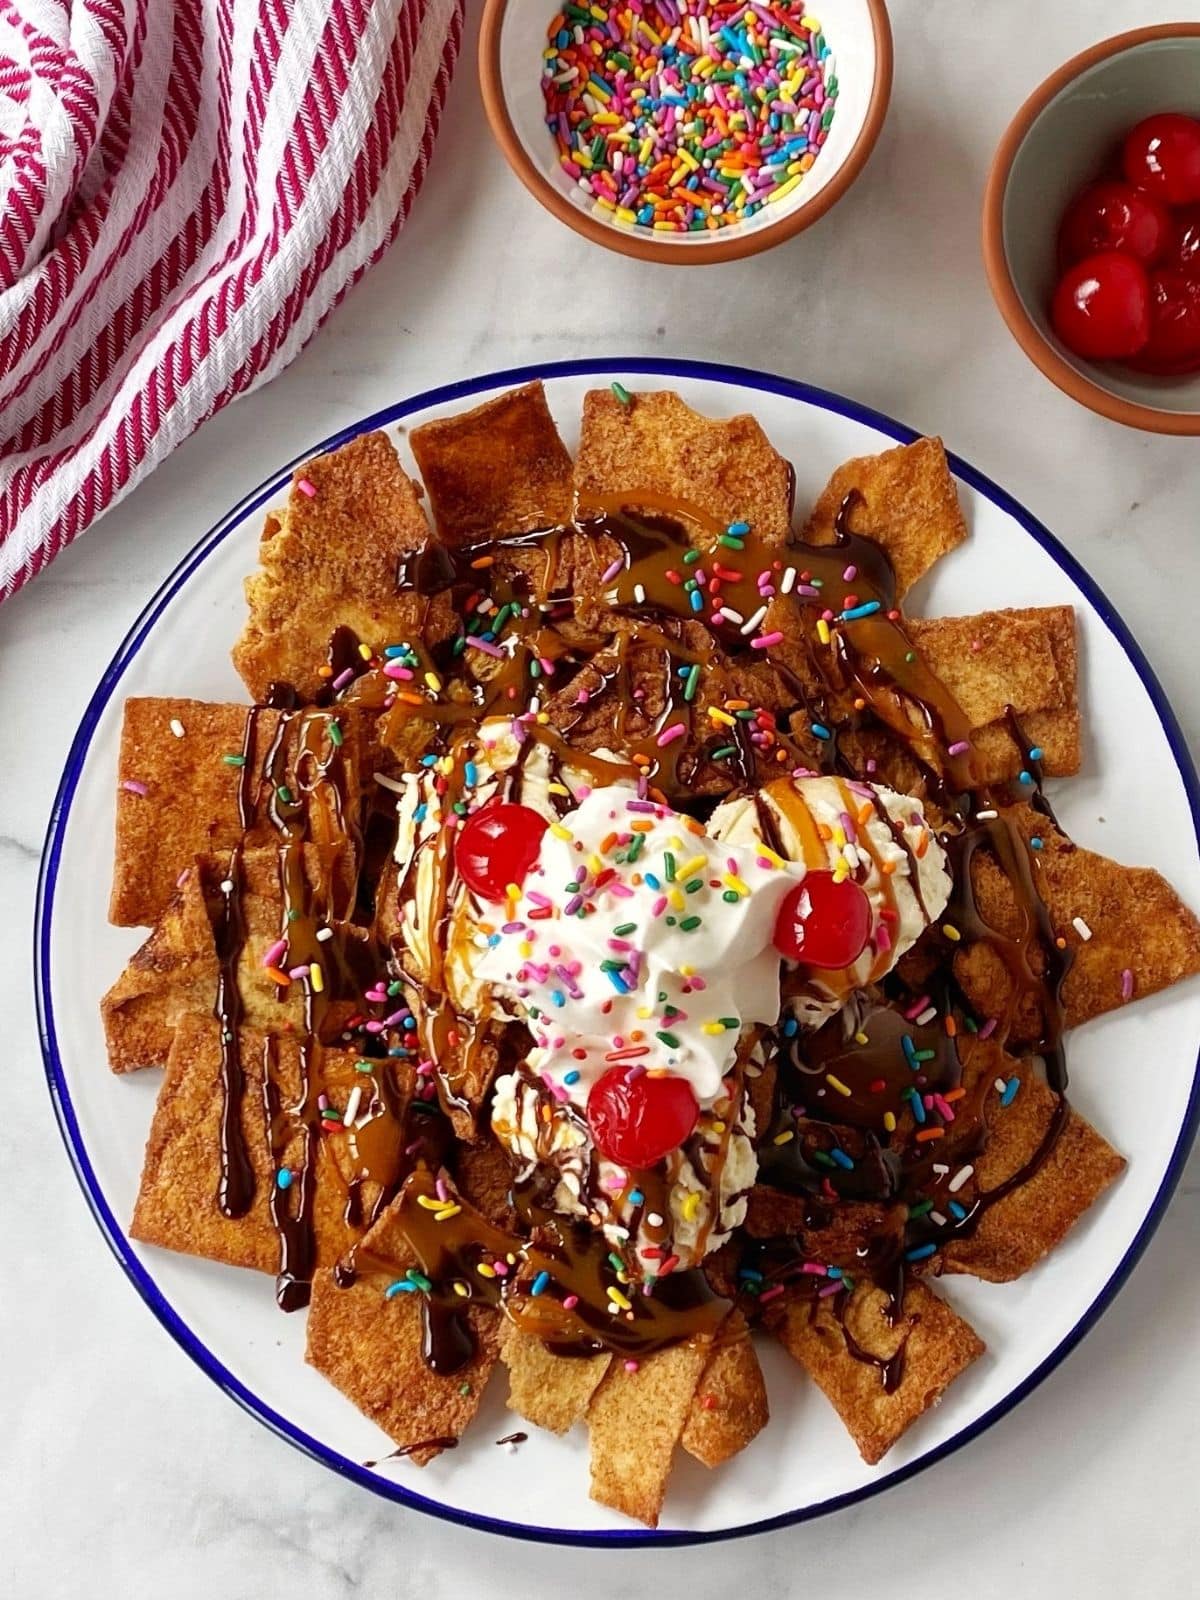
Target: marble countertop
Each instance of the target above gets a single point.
(122, 1469)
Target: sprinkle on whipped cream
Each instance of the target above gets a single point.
(638, 939)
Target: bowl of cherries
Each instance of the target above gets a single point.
(1091, 228)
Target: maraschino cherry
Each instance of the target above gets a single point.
(638, 1118)
(824, 923)
(496, 846)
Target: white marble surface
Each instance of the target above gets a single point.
(122, 1469)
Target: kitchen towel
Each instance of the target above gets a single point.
(187, 188)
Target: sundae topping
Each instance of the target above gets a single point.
(640, 939)
(643, 951)
(677, 1210)
(503, 770)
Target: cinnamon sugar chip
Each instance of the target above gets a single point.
(177, 1201)
(178, 797)
(468, 1059)
(937, 1346)
(909, 506)
(729, 1407)
(635, 1420)
(1025, 660)
(658, 446)
(1137, 924)
(370, 1347)
(989, 662)
(483, 1175)
(499, 468)
(173, 972)
(839, 1239)
(329, 561)
(176, 970)
(1018, 1229)
(549, 1390)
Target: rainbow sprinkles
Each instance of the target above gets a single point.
(685, 116)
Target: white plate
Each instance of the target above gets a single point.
(1137, 800)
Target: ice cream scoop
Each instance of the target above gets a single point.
(860, 832)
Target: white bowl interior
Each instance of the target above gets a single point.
(846, 25)
(1069, 143)
(804, 1458)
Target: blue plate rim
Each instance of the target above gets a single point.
(467, 389)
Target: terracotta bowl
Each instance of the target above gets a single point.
(512, 38)
(1061, 138)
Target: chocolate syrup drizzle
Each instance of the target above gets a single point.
(869, 679)
(316, 835)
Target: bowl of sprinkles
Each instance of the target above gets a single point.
(686, 131)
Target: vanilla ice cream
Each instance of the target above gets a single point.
(704, 1203)
(865, 831)
(435, 905)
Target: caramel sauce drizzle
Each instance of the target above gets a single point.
(576, 1260)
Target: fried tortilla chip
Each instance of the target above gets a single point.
(1025, 660)
(988, 663)
(467, 1065)
(370, 1347)
(1062, 1180)
(909, 506)
(500, 468)
(177, 1203)
(549, 1390)
(660, 447)
(937, 1346)
(329, 561)
(635, 1420)
(174, 972)
(841, 1240)
(181, 795)
(177, 794)
(1128, 931)
(729, 1408)
(177, 969)
(1054, 728)
(483, 1175)
(374, 1151)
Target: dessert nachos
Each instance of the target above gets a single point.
(615, 931)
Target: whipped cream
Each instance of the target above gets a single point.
(639, 938)
(867, 831)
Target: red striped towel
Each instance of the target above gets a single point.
(187, 188)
